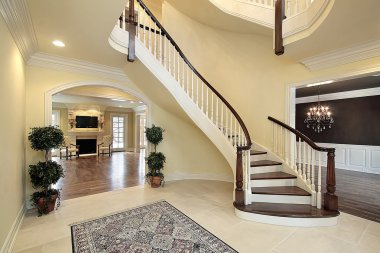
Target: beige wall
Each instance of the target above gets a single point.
(244, 68)
(130, 127)
(187, 149)
(12, 112)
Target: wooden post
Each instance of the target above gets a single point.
(239, 193)
(279, 17)
(132, 32)
(330, 199)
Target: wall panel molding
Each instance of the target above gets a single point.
(355, 157)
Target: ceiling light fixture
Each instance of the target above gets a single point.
(58, 43)
(141, 102)
(376, 75)
(118, 99)
(318, 117)
(320, 83)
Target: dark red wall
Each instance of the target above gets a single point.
(357, 121)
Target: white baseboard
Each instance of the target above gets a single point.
(11, 237)
(200, 176)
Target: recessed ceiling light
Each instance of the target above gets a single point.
(141, 102)
(58, 43)
(376, 75)
(320, 83)
(117, 99)
(132, 102)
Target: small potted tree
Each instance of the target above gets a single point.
(44, 174)
(155, 160)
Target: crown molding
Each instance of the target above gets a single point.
(74, 65)
(19, 22)
(340, 95)
(343, 56)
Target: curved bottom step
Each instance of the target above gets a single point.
(294, 215)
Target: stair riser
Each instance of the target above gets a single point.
(258, 157)
(286, 199)
(265, 169)
(273, 182)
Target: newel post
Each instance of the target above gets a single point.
(132, 32)
(330, 199)
(239, 193)
(279, 17)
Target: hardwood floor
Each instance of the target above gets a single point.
(90, 175)
(359, 193)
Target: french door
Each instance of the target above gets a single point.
(118, 123)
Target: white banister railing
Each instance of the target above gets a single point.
(303, 156)
(207, 100)
(295, 7)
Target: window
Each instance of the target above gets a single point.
(55, 118)
(118, 131)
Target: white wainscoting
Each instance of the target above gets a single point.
(355, 157)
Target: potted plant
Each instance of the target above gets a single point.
(155, 160)
(44, 174)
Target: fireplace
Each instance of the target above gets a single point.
(87, 146)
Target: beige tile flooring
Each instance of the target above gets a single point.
(208, 203)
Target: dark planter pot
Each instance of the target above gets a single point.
(155, 182)
(50, 205)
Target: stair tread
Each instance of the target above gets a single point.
(264, 163)
(272, 175)
(287, 210)
(280, 190)
(258, 152)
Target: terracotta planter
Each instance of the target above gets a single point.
(155, 182)
(50, 204)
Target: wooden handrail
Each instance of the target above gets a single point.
(165, 33)
(301, 136)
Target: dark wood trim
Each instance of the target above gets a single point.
(302, 136)
(330, 199)
(132, 32)
(279, 17)
(182, 55)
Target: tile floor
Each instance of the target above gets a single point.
(209, 204)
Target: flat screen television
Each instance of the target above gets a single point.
(86, 122)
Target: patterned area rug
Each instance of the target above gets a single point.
(155, 228)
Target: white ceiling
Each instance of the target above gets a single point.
(83, 25)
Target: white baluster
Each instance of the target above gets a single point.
(235, 134)
(202, 99)
(123, 25)
(178, 72)
(192, 86)
(197, 92)
(294, 158)
(217, 112)
(296, 7)
(221, 118)
(183, 73)
(239, 139)
(155, 41)
(212, 107)
(319, 194)
(190, 73)
(149, 35)
(207, 101)
(299, 156)
(138, 22)
(314, 200)
(275, 138)
(165, 51)
(231, 135)
(226, 128)
(304, 162)
(170, 59)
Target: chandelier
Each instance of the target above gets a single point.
(319, 117)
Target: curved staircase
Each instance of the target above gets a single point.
(281, 185)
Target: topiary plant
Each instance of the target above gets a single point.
(44, 174)
(155, 160)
